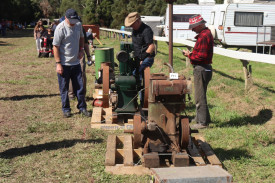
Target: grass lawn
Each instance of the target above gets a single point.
(38, 145)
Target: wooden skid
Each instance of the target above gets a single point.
(102, 118)
(101, 115)
(121, 158)
(202, 153)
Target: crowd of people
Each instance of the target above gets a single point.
(10, 25)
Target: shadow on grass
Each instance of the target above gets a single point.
(263, 116)
(241, 80)
(2, 43)
(25, 97)
(231, 154)
(14, 152)
(174, 56)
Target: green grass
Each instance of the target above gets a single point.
(38, 145)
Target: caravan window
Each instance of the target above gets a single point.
(212, 18)
(248, 19)
(221, 18)
(182, 17)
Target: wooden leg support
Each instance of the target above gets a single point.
(111, 151)
(180, 159)
(151, 160)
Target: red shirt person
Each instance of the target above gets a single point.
(201, 59)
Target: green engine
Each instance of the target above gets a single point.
(126, 84)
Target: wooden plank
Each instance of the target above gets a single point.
(120, 169)
(97, 115)
(110, 158)
(130, 121)
(108, 115)
(207, 150)
(119, 126)
(194, 152)
(128, 151)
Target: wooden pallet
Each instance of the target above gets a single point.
(121, 157)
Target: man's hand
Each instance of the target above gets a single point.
(59, 69)
(143, 55)
(186, 52)
(90, 62)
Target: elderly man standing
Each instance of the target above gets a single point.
(142, 38)
(201, 59)
(68, 49)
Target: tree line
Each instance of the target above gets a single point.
(106, 13)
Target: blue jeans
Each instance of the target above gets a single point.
(147, 62)
(75, 74)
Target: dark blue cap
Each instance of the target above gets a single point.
(72, 16)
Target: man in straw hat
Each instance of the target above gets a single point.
(201, 59)
(142, 38)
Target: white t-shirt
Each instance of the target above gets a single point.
(67, 38)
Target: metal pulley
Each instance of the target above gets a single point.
(122, 56)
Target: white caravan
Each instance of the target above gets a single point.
(238, 22)
(181, 15)
(154, 22)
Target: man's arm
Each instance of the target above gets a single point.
(87, 51)
(59, 68)
(81, 48)
(151, 48)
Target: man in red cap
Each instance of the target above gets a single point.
(201, 59)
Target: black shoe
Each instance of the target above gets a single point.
(67, 114)
(85, 113)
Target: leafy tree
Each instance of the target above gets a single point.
(104, 12)
(90, 16)
(136, 6)
(19, 10)
(155, 8)
(119, 12)
(77, 5)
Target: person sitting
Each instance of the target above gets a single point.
(49, 36)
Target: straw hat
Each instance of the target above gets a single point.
(131, 18)
(195, 21)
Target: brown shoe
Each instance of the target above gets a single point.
(198, 126)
